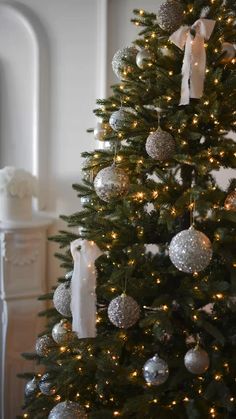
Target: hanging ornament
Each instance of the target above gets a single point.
(190, 251)
(230, 202)
(160, 145)
(170, 15)
(44, 345)
(229, 52)
(118, 120)
(123, 311)
(143, 58)
(31, 387)
(197, 360)
(67, 410)
(101, 131)
(62, 333)
(120, 66)
(156, 371)
(45, 385)
(62, 299)
(111, 183)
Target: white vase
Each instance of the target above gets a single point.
(13, 208)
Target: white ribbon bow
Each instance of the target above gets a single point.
(194, 63)
(83, 288)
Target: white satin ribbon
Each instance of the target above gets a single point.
(194, 63)
(83, 288)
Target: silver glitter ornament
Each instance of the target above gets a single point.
(45, 385)
(190, 251)
(111, 183)
(31, 387)
(143, 58)
(118, 120)
(170, 15)
(197, 361)
(67, 410)
(123, 311)
(160, 145)
(62, 299)
(44, 345)
(62, 333)
(230, 52)
(119, 65)
(156, 371)
(230, 202)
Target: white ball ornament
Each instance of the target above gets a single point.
(31, 387)
(160, 145)
(190, 251)
(67, 410)
(111, 183)
(118, 120)
(143, 58)
(123, 311)
(197, 361)
(62, 299)
(45, 385)
(156, 371)
(120, 65)
(101, 131)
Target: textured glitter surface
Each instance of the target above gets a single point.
(111, 183)
(45, 385)
(230, 202)
(118, 120)
(190, 251)
(170, 15)
(156, 371)
(44, 345)
(31, 387)
(142, 58)
(160, 145)
(62, 299)
(119, 66)
(123, 311)
(62, 333)
(197, 361)
(67, 410)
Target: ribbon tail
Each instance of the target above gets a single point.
(186, 73)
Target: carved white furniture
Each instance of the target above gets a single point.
(23, 279)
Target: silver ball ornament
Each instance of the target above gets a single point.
(123, 311)
(170, 15)
(62, 299)
(45, 385)
(230, 202)
(197, 361)
(101, 131)
(143, 58)
(120, 66)
(62, 333)
(44, 345)
(68, 410)
(156, 371)
(160, 145)
(111, 183)
(118, 120)
(230, 52)
(31, 387)
(190, 251)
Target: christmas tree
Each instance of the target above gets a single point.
(156, 232)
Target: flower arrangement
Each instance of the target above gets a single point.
(17, 182)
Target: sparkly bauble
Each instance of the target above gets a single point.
(155, 371)
(45, 385)
(120, 66)
(62, 299)
(62, 333)
(160, 145)
(143, 58)
(118, 120)
(101, 131)
(31, 387)
(197, 361)
(170, 15)
(111, 183)
(230, 202)
(190, 250)
(123, 311)
(229, 51)
(67, 410)
(44, 345)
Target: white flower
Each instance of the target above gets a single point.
(17, 182)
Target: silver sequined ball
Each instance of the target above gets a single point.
(120, 66)
(156, 371)
(111, 183)
(123, 311)
(160, 145)
(67, 410)
(31, 387)
(170, 15)
(62, 299)
(44, 345)
(197, 361)
(230, 202)
(45, 385)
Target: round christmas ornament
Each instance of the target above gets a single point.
(45, 385)
(197, 361)
(229, 52)
(62, 299)
(143, 58)
(44, 345)
(190, 251)
(160, 145)
(120, 66)
(67, 410)
(155, 371)
(170, 15)
(31, 387)
(123, 311)
(118, 120)
(230, 202)
(62, 333)
(111, 183)
(101, 131)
